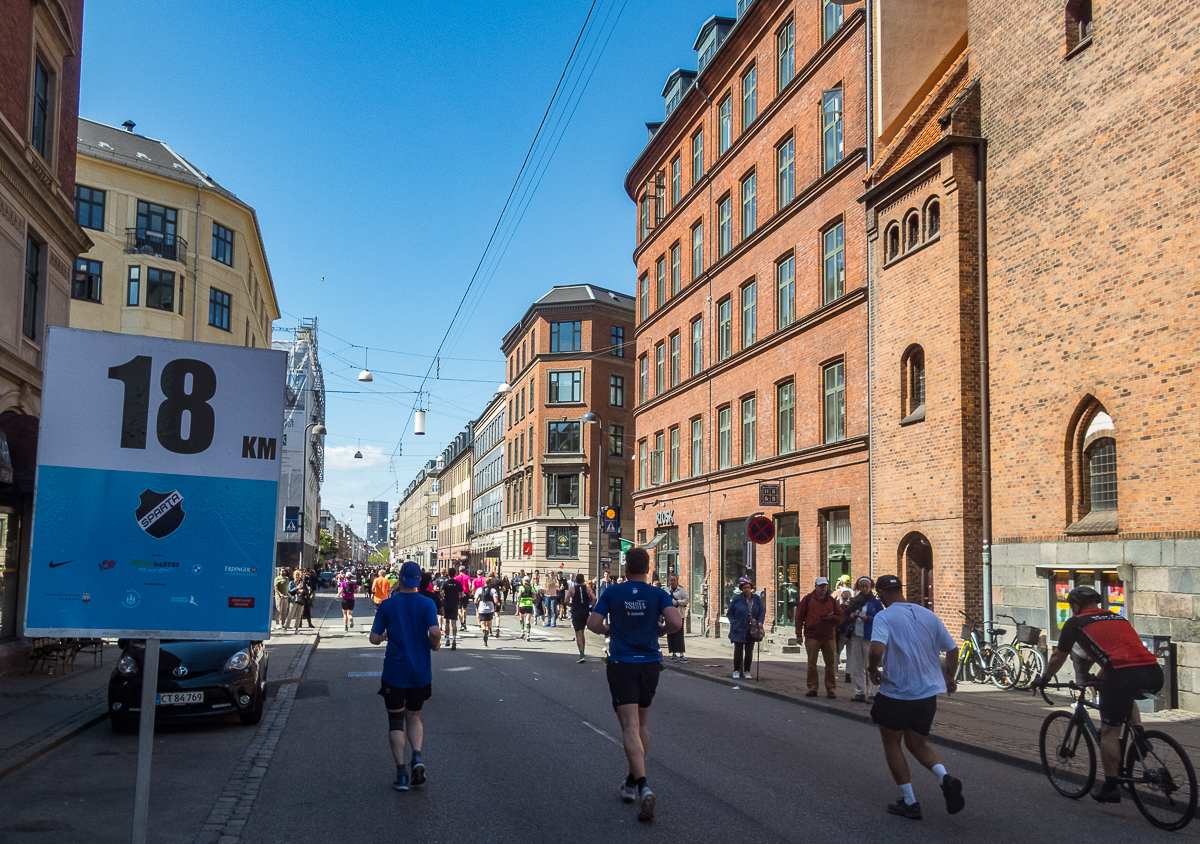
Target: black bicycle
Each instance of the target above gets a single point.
(1155, 770)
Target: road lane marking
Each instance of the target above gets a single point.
(601, 732)
(365, 674)
(459, 668)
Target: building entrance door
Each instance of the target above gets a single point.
(919, 556)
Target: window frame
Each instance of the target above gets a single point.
(673, 376)
(696, 443)
(133, 286)
(660, 364)
(835, 126)
(92, 281)
(217, 305)
(616, 339)
(554, 386)
(673, 447)
(833, 402)
(749, 204)
(552, 544)
(676, 261)
(749, 430)
(643, 379)
(724, 225)
(724, 437)
(828, 30)
(749, 96)
(697, 346)
(785, 417)
(785, 306)
(724, 125)
(34, 285)
(41, 105)
(749, 303)
(697, 156)
(676, 180)
(616, 440)
(834, 258)
(660, 282)
(553, 432)
(697, 250)
(616, 390)
(222, 244)
(644, 296)
(160, 283)
(725, 329)
(91, 204)
(553, 491)
(576, 338)
(785, 172)
(785, 54)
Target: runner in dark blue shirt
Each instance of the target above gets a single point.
(634, 663)
(408, 622)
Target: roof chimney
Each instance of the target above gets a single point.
(128, 124)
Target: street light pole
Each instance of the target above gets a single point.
(593, 418)
(319, 430)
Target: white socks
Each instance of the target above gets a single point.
(939, 771)
(907, 792)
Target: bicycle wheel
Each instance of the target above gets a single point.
(1070, 768)
(1006, 667)
(1033, 664)
(1163, 781)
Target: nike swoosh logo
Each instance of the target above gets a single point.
(55, 565)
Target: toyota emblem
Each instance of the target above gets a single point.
(179, 671)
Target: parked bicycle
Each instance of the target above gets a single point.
(977, 659)
(1022, 656)
(1155, 770)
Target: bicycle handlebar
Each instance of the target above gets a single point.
(1072, 685)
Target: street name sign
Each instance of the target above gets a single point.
(157, 480)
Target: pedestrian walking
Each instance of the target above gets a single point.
(746, 614)
(525, 598)
(408, 622)
(818, 617)
(581, 599)
(860, 619)
(346, 593)
(295, 600)
(634, 665)
(907, 642)
(550, 592)
(603, 584)
(675, 642)
(309, 594)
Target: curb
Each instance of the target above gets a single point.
(63, 739)
(949, 743)
(301, 659)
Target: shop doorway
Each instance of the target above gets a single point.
(918, 569)
(667, 556)
(699, 585)
(787, 566)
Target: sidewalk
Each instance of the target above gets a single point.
(38, 712)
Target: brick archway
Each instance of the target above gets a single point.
(916, 561)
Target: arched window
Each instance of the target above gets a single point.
(1092, 478)
(933, 218)
(912, 386)
(912, 231)
(1102, 474)
(893, 242)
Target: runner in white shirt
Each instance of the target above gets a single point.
(907, 642)
(485, 609)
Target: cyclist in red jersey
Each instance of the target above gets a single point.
(1127, 669)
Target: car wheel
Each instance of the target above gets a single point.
(254, 714)
(122, 723)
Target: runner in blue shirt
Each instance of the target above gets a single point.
(634, 663)
(408, 622)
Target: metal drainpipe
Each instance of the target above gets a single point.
(870, 90)
(196, 282)
(711, 325)
(985, 430)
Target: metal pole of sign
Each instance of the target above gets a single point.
(141, 792)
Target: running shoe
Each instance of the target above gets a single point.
(905, 810)
(952, 788)
(351, 622)
(454, 644)
(628, 792)
(401, 783)
(737, 675)
(645, 804)
(418, 773)
(485, 638)
(581, 659)
(683, 659)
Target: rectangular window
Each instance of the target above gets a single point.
(642, 464)
(643, 379)
(89, 207)
(749, 315)
(563, 438)
(156, 228)
(724, 329)
(837, 544)
(831, 19)
(616, 340)
(835, 264)
(785, 425)
(616, 390)
(562, 542)
(676, 181)
(724, 226)
(697, 346)
(566, 336)
(160, 289)
(674, 462)
(725, 124)
(530, 396)
(219, 306)
(748, 422)
(674, 380)
(723, 435)
(134, 290)
(675, 250)
(644, 218)
(616, 492)
(697, 465)
(656, 460)
(659, 364)
(616, 440)
(222, 244)
(831, 128)
(697, 157)
(749, 212)
(785, 43)
(835, 402)
(433, 533)
(564, 387)
(644, 296)
(697, 250)
(86, 283)
(41, 106)
(564, 490)
(785, 157)
(660, 282)
(33, 285)
(785, 300)
(750, 97)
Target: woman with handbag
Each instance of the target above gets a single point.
(746, 614)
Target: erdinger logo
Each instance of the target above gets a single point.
(160, 513)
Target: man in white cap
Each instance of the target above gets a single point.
(818, 616)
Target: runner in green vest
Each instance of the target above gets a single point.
(525, 598)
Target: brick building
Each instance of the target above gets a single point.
(752, 318)
(571, 353)
(455, 471)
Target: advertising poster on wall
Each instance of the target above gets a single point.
(158, 473)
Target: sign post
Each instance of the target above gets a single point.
(157, 482)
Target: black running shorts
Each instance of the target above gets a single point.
(1122, 686)
(579, 621)
(895, 714)
(633, 682)
(410, 699)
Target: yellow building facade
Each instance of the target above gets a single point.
(174, 254)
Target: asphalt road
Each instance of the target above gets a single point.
(520, 744)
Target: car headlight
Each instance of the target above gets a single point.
(127, 665)
(238, 662)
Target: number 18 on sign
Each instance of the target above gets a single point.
(152, 516)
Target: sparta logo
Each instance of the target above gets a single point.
(160, 513)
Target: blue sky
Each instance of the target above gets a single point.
(377, 143)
